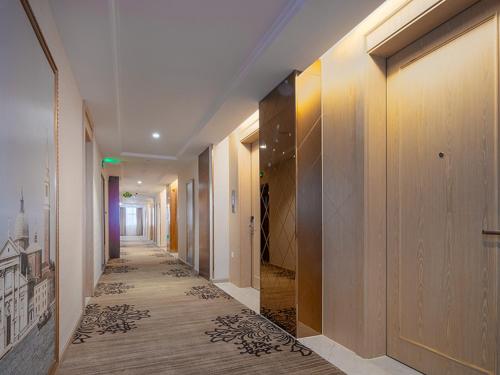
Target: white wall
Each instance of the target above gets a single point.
(187, 172)
(222, 210)
(161, 218)
(71, 164)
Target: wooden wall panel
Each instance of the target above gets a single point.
(354, 193)
(204, 212)
(114, 216)
(309, 202)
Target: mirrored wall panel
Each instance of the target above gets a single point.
(278, 190)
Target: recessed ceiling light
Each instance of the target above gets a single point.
(139, 182)
(156, 135)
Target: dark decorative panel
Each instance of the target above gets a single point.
(204, 212)
(114, 216)
(278, 244)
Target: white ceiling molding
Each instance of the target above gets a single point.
(148, 156)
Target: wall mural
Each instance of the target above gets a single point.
(28, 208)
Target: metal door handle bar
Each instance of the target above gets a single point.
(492, 232)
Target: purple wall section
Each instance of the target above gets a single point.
(114, 216)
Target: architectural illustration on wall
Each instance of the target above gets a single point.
(27, 275)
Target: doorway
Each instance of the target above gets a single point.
(249, 207)
(442, 189)
(255, 238)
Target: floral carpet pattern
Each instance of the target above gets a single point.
(118, 269)
(209, 291)
(111, 288)
(154, 315)
(253, 334)
(179, 272)
(100, 320)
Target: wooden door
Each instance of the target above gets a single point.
(442, 192)
(190, 221)
(173, 219)
(255, 235)
(204, 212)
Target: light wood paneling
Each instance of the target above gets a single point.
(443, 191)
(204, 211)
(410, 22)
(309, 203)
(354, 192)
(190, 222)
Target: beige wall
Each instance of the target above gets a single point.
(71, 165)
(161, 218)
(354, 205)
(187, 172)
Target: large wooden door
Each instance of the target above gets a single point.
(442, 192)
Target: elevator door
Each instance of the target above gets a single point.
(442, 193)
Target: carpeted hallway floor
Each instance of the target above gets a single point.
(152, 315)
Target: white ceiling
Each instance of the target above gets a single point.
(191, 70)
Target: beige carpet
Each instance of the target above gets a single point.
(152, 315)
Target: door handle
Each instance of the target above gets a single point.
(491, 232)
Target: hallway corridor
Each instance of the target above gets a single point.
(152, 315)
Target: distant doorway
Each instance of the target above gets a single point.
(132, 223)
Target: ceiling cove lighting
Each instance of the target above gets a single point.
(156, 135)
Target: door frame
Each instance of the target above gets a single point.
(88, 201)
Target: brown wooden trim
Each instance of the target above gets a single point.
(38, 32)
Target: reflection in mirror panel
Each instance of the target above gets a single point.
(277, 188)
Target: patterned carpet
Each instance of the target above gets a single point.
(152, 315)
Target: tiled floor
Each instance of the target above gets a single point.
(334, 353)
(247, 296)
